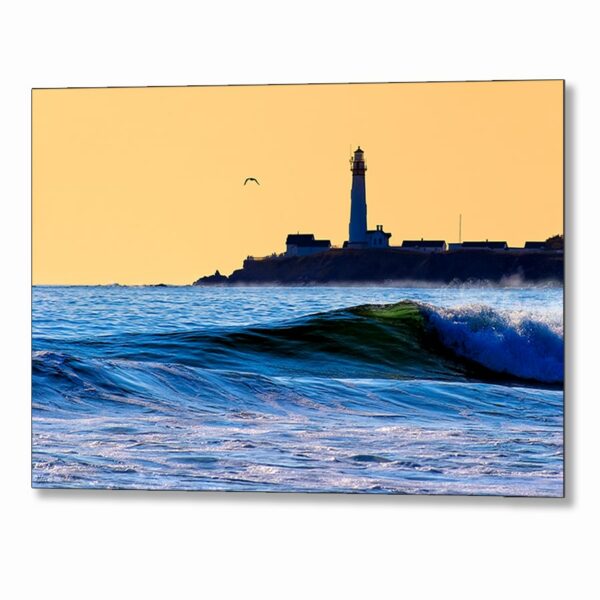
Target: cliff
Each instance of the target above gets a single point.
(388, 265)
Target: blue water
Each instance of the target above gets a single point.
(397, 390)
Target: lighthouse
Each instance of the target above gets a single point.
(358, 201)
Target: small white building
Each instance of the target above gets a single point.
(304, 244)
(534, 246)
(424, 245)
(378, 238)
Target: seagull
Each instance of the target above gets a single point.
(251, 179)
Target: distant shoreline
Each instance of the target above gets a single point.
(388, 266)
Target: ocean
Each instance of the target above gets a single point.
(451, 390)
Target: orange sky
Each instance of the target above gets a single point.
(145, 185)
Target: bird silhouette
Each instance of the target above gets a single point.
(251, 179)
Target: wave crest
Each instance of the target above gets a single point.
(511, 343)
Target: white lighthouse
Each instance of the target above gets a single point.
(358, 201)
(360, 236)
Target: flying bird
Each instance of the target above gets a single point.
(251, 179)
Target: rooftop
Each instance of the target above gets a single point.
(484, 244)
(423, 244)
(306, 239)
(371, 231)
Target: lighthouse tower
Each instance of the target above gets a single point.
(358, 201)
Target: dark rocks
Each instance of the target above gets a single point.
(215, 279)
(391, 265)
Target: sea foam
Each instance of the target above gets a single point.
(509, 342)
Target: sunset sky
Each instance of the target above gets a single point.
(145, 185)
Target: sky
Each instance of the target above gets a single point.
(146, 185)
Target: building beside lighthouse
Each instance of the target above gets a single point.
(303, 244)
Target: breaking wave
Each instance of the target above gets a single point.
(401, 340)
(512, 344)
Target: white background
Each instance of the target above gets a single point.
(118, 545)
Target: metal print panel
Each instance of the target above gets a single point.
(351, 288)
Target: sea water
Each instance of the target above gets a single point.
(453, 390)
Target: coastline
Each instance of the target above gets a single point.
(390, 267)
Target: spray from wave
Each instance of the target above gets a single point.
(511, 343)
